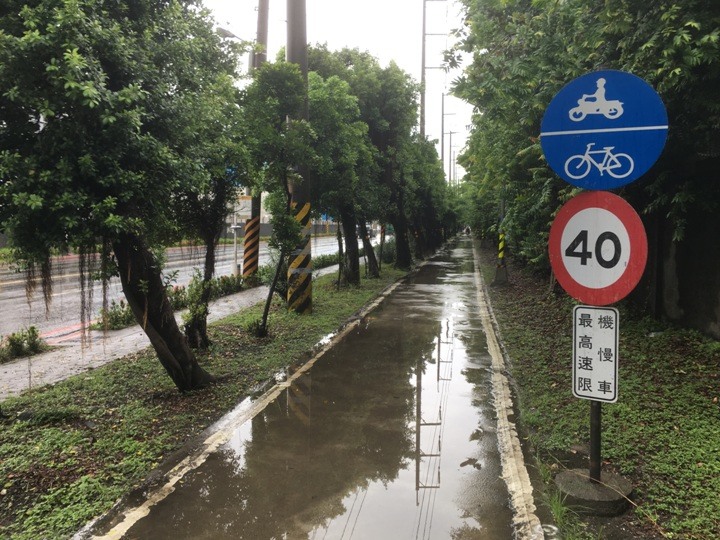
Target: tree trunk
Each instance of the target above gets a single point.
(403, 255)
(382, 245)
(196, 327)
(373, 268)
(341, 255)
(279, 269)
(142, 284)
(352, 253)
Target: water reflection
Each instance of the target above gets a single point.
(390, 435)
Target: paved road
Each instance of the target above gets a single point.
(63, 317)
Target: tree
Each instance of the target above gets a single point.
(524, 51)
(427, 195)
(387, 98)
(343, 151)
(277, 147)
(213, 119)
(90, 96)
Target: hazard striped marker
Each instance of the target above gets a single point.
(251, 247)
(299, 296)
(501, 273)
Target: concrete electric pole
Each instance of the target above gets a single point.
(299, 296)
(251, 242)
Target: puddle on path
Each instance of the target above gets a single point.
(391, 435)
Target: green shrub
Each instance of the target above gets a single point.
(26, 342)
(226, 285)
(117, 316)
(323, 261)
(388, 254)
(177, 294)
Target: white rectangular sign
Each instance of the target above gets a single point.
(595, 353)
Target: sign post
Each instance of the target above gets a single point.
(602, 131)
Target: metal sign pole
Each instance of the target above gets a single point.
(595, 440)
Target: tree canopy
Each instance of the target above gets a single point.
(96, 144)
(523, 51)
(122, 130)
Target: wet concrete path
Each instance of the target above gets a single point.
(390, 435)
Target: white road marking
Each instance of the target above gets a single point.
(525, 522)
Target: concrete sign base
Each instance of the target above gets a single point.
(611, 497)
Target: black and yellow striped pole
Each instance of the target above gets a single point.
(251, 245)
(299, 295)
(501, 275)
(501, 249)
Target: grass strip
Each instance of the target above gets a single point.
(663, 434)
(69, 451)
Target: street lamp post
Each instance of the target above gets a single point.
(442, 132)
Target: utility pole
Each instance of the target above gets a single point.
(450, 163)
(424, 67)
(422, 72)
(442, 132)
(251, 241)
(299, 296)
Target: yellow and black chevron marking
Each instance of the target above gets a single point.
(251, 246)
(299, 296)
(501, 250)
(299, 398)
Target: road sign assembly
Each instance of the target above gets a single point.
(595, 353)
(597, 247)
(603, 130)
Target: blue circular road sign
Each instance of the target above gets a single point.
(603, 130)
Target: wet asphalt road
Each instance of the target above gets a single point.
(63, 314)
(391, 434)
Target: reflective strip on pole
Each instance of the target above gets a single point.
(251, 246)
(501, 249)
(299, 296)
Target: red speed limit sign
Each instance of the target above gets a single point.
(598, 248)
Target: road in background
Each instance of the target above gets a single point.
(63, 314)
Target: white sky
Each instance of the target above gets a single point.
(388, 29)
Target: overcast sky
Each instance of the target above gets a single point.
(388, 29)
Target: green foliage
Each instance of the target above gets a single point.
(177, 295)
(69, 451)
(118, 315)
(26, 342)
(195, 292)
(389, 251)
(119, 124)
(524, 51)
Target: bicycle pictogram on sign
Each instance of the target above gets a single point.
(616, 165)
